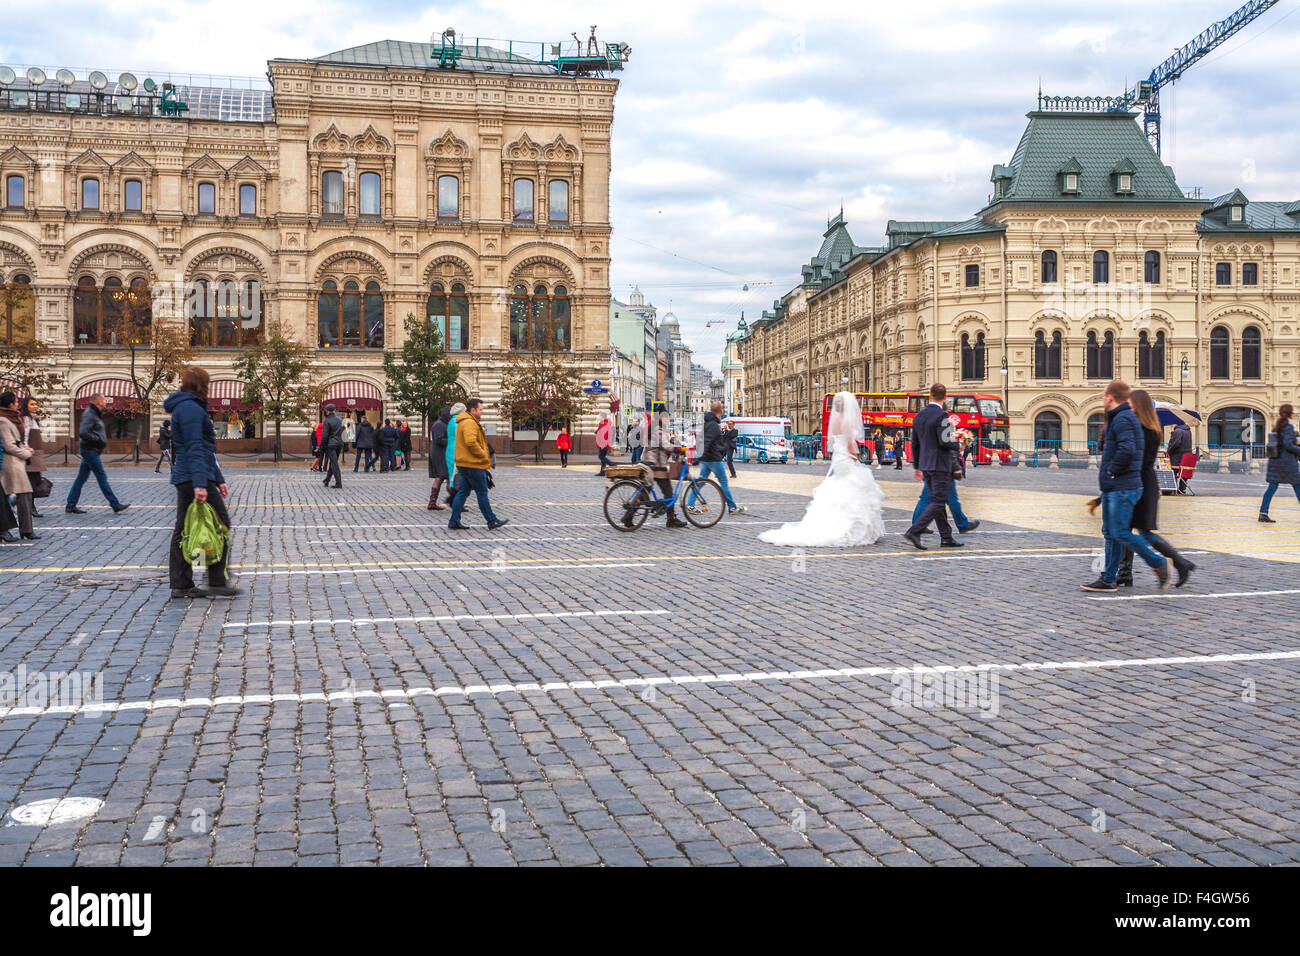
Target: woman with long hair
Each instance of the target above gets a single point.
(1145, 513)
(1285, 468)
(196, 477)
(30, 412)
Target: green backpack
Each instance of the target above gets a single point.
(204, 537)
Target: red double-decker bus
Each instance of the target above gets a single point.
(984, 416)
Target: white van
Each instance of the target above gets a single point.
(764, 439)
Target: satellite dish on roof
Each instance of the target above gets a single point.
(65, 77)
(6, 75)
(149, 84)
(98, 80)
(127, 81)
(35, 76)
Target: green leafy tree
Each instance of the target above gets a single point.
(281, 381)
(541, 387)
(421, 379)
(158, 351)
(25, 361)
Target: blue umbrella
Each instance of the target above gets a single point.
(1170, 414)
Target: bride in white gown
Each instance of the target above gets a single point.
(848, 507)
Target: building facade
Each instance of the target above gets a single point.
(1088, 263)
(365, 186)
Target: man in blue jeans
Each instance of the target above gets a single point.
(714, 453)
(94, 439)
(1120, 477)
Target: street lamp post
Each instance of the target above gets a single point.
(1182, 378)
(1005, 378)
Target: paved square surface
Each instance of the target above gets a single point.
(556, 692)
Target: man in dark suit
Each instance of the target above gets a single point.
(331, 441)
(933, 448)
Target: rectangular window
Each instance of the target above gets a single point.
(370, 194)
(332, 194)
(557, 196)
(132, 196)
(14, 192)
(248, 200)
(1250, 273)
(207, 199)
(1072, 182)
(1223, 273)
(448, 197)
(523, 208)
(1237, 214)
(90, 194)
(1125, 183)
(972, 277)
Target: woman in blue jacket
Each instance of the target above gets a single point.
(451, 450)
(1285, 468)
(197, 477)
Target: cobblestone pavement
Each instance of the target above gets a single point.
(557, 692)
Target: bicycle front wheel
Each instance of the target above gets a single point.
(627, 505)
(702, 502)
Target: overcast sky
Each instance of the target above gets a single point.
(740, 127)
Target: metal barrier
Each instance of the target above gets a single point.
(1240, 459)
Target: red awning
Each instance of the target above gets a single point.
(119, 394)
(353, 396)
(228, 396)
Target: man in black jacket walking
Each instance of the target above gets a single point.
(365, 443)
(331, 440)
(164, 444)
(94, 439)
(933, 445)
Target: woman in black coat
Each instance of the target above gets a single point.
(1146, 512)
(1285, 468)
(438, 455)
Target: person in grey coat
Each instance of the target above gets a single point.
(1285, 468)
(438, 455)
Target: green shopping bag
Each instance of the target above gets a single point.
(203, 537)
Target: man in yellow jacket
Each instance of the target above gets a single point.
(472, 463)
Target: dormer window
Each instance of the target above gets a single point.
(1067, 177)
(1121, 177)
(1236, 213)
(1126, 183)
(1071, 183)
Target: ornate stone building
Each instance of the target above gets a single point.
(366, 185)
(1088, 263)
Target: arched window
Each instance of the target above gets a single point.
(227, 314)
(207, 199)
(373, 309)
(449, 311)
(1236, 426)
(85, 312)
(17, 311)
(139, 306)
(250, 331)
(1047, 356)
(540, 321)
(331, 196)
(972, 358)
(523, 205)
(90, 193)
(15, 191)
(111, 298)
(1096, 422)
(370, 194)
(327, 316)
(351, 314)
(1220, 353)
(1151, 268)
(557, 200)
(1047, 430)
(200, 308)
(1100, 360)
(248, 200)
(1151, 356)
(1252, 365)
(448, 197)
(1049, 266)
(132, 196)
(1100, 266)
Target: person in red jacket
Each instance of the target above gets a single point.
(604, 438)
(318, 453)
(564, 444)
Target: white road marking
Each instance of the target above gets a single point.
(1220, 594)
(44, 813)
(1016, 557)
(402, 694)
(435, 570)
(432, 619)
(446, 539)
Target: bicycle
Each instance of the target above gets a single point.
(631, 500)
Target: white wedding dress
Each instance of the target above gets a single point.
(847, 508)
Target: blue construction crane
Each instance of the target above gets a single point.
(1147, 92)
